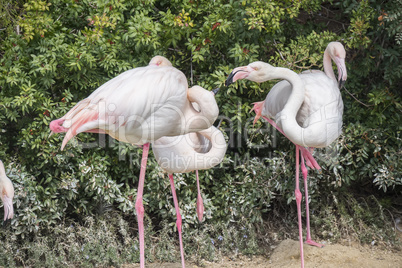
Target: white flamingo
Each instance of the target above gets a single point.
(307, 109)
(6, 193)
(185, 153)
(193, 151)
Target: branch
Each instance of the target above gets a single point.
(356, 98)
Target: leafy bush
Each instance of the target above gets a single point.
(65, 49)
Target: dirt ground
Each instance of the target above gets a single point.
(286, 254)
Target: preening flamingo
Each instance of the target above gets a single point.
(307, 109)
(193, 151)
(140, 106)
(6, 194)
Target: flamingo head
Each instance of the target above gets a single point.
(159, 61)
(338, 54)
(257, 71)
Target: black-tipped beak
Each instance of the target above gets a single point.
(229, 80)
(215, 90)
(6, 223)
(341, 83)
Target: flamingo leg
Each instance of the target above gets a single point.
(309, 241)
(200, 202)
(298, 203)
(312, 163)
(178, 216)
(139, 207)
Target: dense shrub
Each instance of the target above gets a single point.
(55, 52)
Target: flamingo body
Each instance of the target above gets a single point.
(139, 106)
(185, 153)
(194, 151)
(133, 107)
(321, 111)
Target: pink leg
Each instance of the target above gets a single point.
(178, 216)
(138, 204)
(200, 202)
(298, 203)
(308, 238)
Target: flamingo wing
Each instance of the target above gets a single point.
(322, 106)
(146, 100)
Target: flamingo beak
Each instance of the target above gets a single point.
(230, 79)
(342, 73)
(215, 90)
(341, 83)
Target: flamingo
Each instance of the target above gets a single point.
(6, 194)
(201, 141)
(307, 108)
(140, 106)
(185, 153)
(198, 140)
(193, 151)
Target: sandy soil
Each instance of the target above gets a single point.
(286, 254)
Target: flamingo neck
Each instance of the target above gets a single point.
(327, 63)
(296, 98)
(2, 170)
(207, 113)
(287, 117)
(218, 146)
(214, 155)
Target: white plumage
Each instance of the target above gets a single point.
(6, 193)
(194, 151)
(140, 106)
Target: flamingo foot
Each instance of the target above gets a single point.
(310, 160)
(313, 243)
(258, 106)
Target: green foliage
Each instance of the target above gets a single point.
(65, 49)
(392, 16)
(105, 242)
(363, 219)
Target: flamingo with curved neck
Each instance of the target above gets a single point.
(307, 108)
(140, 106)
(185, 153)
